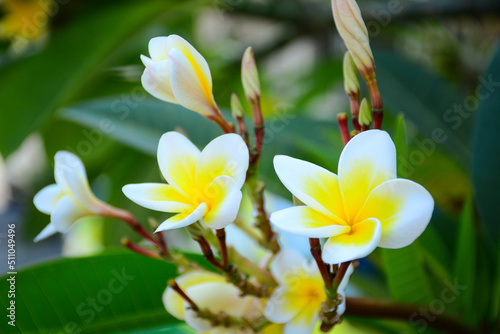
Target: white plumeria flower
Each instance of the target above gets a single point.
(202, 186)
(297, 300)
(212, 292)
(177, 73)
(365, 206)
(70, 198)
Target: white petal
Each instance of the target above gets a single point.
(368, 160)
(66, 213)
(156, 80)
(46, 232)
(225, 202)
(174, 303)
(71, 161)
(157, 196)
(225, 155)
(70, 175)
(345, 280)
(190, 85)
(304, 221)
(312, 185)
(183, 219)
(80, 189)
(404, 209)
(217, 297)
(146, 60)
(342, 305)
(304, 322)
(361, 241)
(286, 261)
(177, 158)
(279, 307)
(159, 47)
(46, 199)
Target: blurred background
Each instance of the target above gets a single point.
(70, 80)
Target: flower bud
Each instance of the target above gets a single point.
(365, 114)
(250, 76)
(351, 77)
(178, 73)
(352, 29)
(236, 107)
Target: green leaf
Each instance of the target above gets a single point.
(108, 293)
(486, 154)
(427, 101)
(406, 276)
(34, 87)
(465, 258)
(401, 141)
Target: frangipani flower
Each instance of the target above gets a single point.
(212, 292)
(70, 198)
(177, 73)
(365, 206)
(202, 186)
(297, 300)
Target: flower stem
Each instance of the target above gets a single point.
(323, 269)
(219, 119)
(256, 193)
(258, 123)
(221, 236)
(344, 128)
(139, 250)
(131, 221)
(354, 103)
(376, 100)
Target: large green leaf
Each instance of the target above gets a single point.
(113, 292)
(404, 268)
(33, 87)
(486, 157)
(465, 258)
(406, 276)
(427, 101)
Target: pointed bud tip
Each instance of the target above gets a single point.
(351, 77)
(236, 107)
(365, 113)
(250, 76)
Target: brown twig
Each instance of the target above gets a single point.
(344, 128)
(377, 309)
(221, 236)
(354, 104)
(139, 250)
(323, 269)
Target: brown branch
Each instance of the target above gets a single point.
(377, 309)
(323, 269)
(221, 236)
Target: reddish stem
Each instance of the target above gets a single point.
(316, 253)
(139, 250)
(221, 236)
(344, 128)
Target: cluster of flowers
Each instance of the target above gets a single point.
(363, 207)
